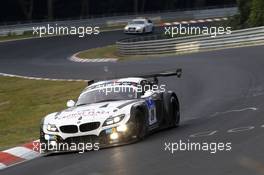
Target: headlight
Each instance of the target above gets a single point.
(52, 128)
(114, 120)
(126, 28)
(121, 128)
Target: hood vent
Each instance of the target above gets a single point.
(104, 106)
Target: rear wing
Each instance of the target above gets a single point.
(177, 72)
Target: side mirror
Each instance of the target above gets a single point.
(147, 94)
(70, 103)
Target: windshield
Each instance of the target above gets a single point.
(137, 22)
(107, 94)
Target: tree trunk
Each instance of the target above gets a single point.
(136, 6)
(50, 9)
(200, 3)
(85, 8)
(27, 8)
(143, 3)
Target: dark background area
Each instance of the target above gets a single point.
(34, 10)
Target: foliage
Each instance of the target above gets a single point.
(251, 14)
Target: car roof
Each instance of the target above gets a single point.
(139, 19)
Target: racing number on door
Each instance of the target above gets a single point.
(152, 111)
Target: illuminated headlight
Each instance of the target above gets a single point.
(126, 28)
(114, 120)
(121, 128)
(52, 128)
(114, 136)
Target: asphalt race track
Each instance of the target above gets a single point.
(221, 92)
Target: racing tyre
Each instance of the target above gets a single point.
(172, 110)
(144, 31)
(140, 125)
(43, 143)
(175, 111)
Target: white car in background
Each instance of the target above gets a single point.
(139, 26)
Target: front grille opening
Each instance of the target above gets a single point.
(89, 126)
(69, 129)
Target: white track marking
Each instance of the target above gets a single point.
(196, 21)
(203, 134)
(235, 110)
(193, 22)
(217, 19)
(167, 24)
(176, 23)
(2, 166)
(37, 78)
(209, 20)
(22, 152)
(74, 58)
(201, 20)
(184, 22)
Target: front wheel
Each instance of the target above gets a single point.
(140, 127)
(144, 30)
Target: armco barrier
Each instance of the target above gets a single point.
(191, 43)
(19, 29)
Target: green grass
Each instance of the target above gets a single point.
(110, 51)
(24, 102)
(101, 52)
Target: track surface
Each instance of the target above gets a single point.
(216, 92)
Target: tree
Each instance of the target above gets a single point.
(136, 6)
(84, 8)
(251, 14)
(256, 17)
(143, 4)
(50, 9)
(244, 10)
(200, 3)
(27, 8)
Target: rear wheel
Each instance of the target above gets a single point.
(172, 112)
(175, 112)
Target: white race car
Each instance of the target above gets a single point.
(139, 26)
(113, 112)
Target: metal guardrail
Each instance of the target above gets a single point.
(19, 29)
(192, 43)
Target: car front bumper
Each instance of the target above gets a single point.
(107, 138)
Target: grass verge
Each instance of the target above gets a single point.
(24, 102)
(110, 51)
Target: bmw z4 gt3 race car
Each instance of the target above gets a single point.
(113, 112)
